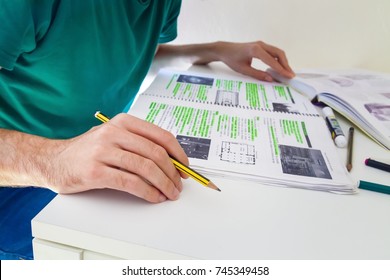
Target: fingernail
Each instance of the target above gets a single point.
(291, 72)
(269, 79)
(175, 193)
(180, 187)
(162, 198)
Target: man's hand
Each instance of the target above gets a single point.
(126, 154)
(239, 56)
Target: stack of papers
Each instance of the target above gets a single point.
(243, 128)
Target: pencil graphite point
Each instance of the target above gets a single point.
(213, 186)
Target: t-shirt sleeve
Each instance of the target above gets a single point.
(21, 26)
(169, 31)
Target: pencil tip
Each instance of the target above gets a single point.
(213, 186)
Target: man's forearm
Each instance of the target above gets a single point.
(24, 159)
(238, 56)
(193, 53)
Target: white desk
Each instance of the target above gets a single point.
(245, 221)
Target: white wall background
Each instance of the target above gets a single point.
(313, 33)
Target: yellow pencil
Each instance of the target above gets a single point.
(185, 169)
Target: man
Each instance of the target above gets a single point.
(63, 60)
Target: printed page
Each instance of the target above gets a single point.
(274, 146)
(364, 98)
(244, 93)
(280, 149)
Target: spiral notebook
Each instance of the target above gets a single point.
(243, 128)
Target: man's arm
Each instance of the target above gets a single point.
(237, 56)
(21, 163)
(136, 160)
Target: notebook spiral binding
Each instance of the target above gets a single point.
(234, 106)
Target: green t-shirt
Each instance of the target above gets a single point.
(63, 60)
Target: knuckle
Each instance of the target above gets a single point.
(125, 182)
(145, 166)
(165, 184)
(124, 160)
(167, 136)
(96, 151)
(92, 172)
(158, 153)
(151, 195)
(170, 140)
(256, 48)
(106, 131)
(122, 116)
(260, 43)
(135, 185)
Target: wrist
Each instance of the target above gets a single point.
(26, 159)
(194, 53)
(207, 52)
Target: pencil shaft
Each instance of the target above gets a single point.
(350, 148)
(100, 116)
(201, 179)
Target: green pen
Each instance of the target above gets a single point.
(374, 187)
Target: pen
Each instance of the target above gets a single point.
(334, 127)
(377, 164)
(350, 148)
(180, 166)
(374, 187)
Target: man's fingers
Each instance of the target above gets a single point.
(152, 132)
(280, 56)
(143, 147)
(133, 184)
(144, 168)
(257, 74)
(273, 57)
